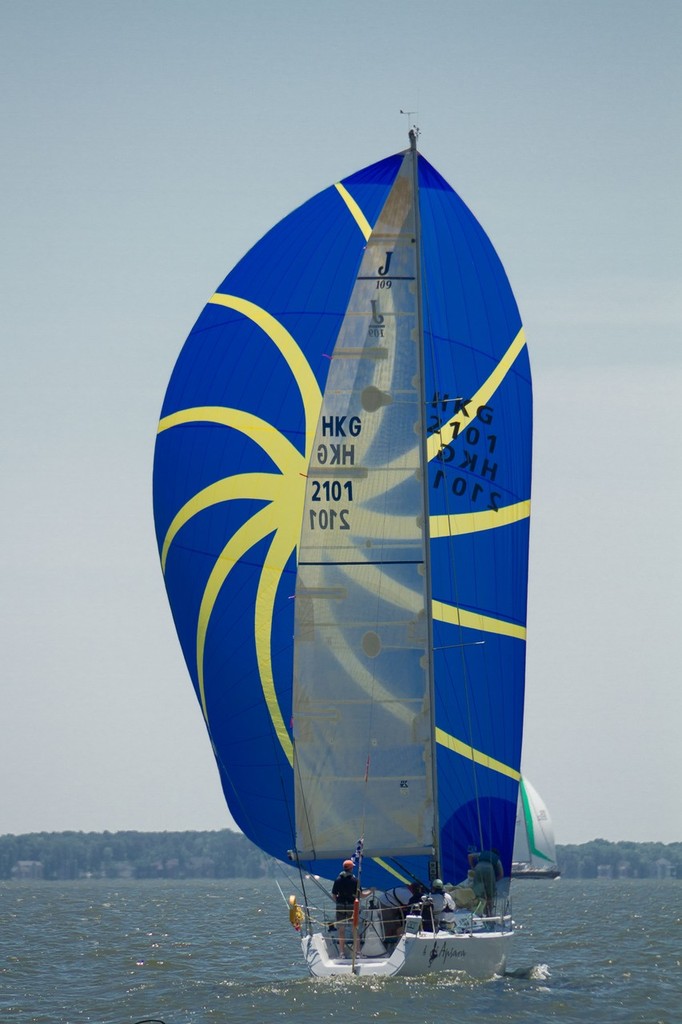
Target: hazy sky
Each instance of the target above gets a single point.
(147, 146)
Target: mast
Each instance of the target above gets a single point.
(434, 868)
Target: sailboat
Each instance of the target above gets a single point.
(534, 847)
(342, 500)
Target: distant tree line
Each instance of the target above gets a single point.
(603, 859)
(77, 855)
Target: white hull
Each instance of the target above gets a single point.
(477, 954)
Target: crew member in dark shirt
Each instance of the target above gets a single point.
(345, 890)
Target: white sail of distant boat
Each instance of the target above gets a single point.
(534, 848)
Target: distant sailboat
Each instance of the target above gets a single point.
(342, 501)
(534, 849)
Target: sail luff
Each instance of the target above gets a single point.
(435, 866)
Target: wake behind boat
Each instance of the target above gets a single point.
(342, 499)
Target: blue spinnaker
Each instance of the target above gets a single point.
(232, 454)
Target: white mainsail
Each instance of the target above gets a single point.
(362, 723)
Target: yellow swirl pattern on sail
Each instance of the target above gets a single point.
(298, 364)
(258, 526)
(466, 750)
(391, 870)
(248, 485)
(435, 442)
(355, 210)
(474, 522)
(273, 443)
(474, 620)
(280, 518)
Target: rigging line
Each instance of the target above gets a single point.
(301, 796)
(446, 528)
(450, 647)
(391, 870)
(292, 823)
(465, 619)
(445, 524)
(428, 332)
(461, 523)
(407, 871)
(487, 388)
(286, 902)
(302, 878)
(465, 750)
(475, 522)
(424, 468)
(316, 881)
(281, 866)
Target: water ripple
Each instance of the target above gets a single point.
(213, 953)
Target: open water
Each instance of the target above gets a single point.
(188, 952)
